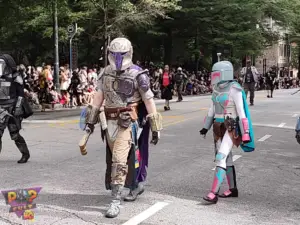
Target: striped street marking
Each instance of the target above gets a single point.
(295, 115)
(265, 137)
(146, 214)
(281, 125)
(234, 158)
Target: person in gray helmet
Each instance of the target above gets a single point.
(179, 80)
(13, 105)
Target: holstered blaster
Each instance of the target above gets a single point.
(84, 140)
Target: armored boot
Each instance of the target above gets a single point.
(231, 180)
(22, 146)
(212, 196)
(114, 207)
(133, 194)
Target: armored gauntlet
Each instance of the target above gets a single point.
(244, 125)
(155, 120)
(18, 108)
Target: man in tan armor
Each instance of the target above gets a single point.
(129, 112)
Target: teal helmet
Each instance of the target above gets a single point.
(221, 71)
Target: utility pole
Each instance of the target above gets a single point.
(56, 56)
(298, 75)
(105, 33)
(72, 29)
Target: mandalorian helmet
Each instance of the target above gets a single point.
(120, 54)
(221, 71)
(7, 65)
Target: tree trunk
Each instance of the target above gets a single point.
(168, 49)
(214, 55)
(197, 56)
(299, 62)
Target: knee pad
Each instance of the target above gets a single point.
(118, 173)
(17, 137)
(14, 136)
(221, 160)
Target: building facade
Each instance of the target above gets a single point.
(276, 55)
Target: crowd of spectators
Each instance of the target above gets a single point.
(78, 88)
(193, 84)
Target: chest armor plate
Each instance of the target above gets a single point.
(223, 102)
(5, 89)
(118, 89)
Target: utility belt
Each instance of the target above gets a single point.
(230, 124)
(124, 115)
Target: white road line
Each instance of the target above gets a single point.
(234, 158)
(295, 115)
(281, 125)
(146, 214)
(271, 125)
(265, 137)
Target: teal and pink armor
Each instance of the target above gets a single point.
(229, 116)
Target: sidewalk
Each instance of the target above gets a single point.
(62, 113)
(59, 107)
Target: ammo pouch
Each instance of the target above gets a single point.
(124, 119)
(230, 124)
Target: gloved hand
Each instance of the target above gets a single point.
(91, 127)
(203, 131)
(155, 137)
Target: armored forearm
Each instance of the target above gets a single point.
(243, 120)
(244, 127)
(209, 119)
(153, 116)
(103, 118)
(18, 107)
(92, 115)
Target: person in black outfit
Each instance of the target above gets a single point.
(270, 81)
(13, 105)
(73, 88)
(179, 80)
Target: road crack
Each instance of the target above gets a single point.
(70, 213)
(8, 221)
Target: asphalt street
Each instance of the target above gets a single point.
(180, 171)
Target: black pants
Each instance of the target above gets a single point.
(250, 87)
(271, 88)
(179, 87)
(14, 126)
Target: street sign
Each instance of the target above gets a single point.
(71, 29)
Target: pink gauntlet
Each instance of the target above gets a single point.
(246, 136)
